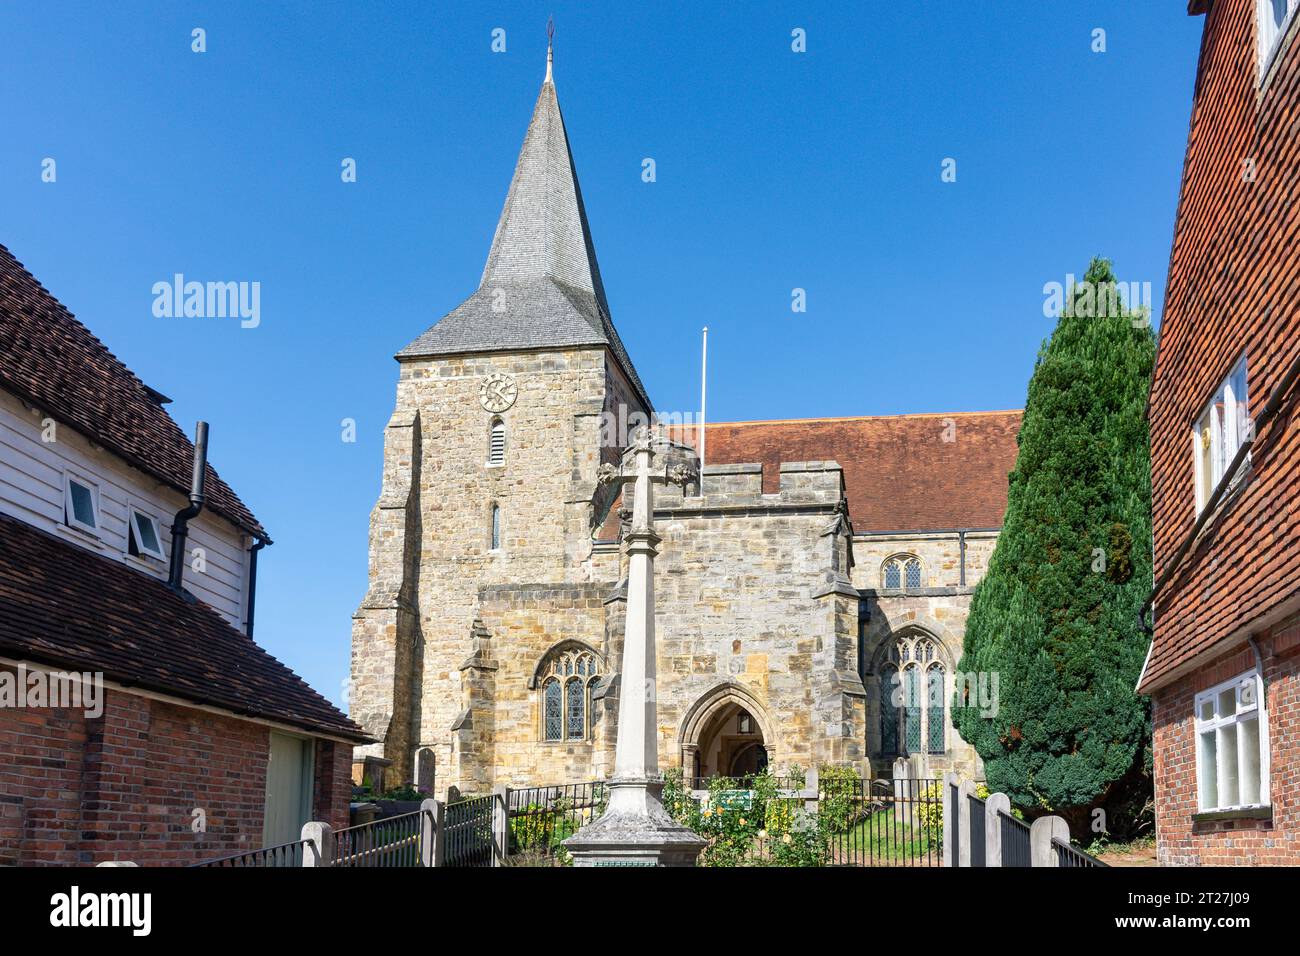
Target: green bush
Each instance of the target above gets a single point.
(1055, 616)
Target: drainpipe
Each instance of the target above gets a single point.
(258, 545)
(181, 522)
(961, 542)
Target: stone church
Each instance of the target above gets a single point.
(812, 585)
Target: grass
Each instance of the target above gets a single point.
(884, 836)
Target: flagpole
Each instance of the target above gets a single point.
(704, 381)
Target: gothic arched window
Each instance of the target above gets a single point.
(889, 700)
(553, 718)
(497, 443)
(568, 678)
(934, 692)
(496, 527)
(902, 571)
(912, 693)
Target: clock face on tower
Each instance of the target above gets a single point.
(498, 392)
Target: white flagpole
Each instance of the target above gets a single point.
(704, 381)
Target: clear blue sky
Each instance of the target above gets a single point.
(775, 170)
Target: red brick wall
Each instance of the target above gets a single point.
(1180, 841)
(123, 786)
(1234, 280)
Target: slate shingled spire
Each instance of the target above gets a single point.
(541, 286)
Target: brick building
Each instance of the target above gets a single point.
(811, 589)
(138, 719)
(1225, 442)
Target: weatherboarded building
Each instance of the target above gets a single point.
(811, 590)
(138, 719)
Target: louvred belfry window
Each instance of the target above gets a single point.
(497, 443)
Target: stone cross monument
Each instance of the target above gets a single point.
(635, 829)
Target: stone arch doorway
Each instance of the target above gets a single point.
(726, 733)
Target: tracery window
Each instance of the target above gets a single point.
(912, 692)
(567, 683)
(902, 571)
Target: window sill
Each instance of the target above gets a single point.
(1210, 818)
(88, 538)
(148, 563)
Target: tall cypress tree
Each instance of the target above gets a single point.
(1055, 617)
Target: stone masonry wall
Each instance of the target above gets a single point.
(527, 622)
(939, 608)
(746, 596)
(544, 493)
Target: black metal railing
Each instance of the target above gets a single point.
(977, 829)
(1016, 849)
(542, 818)
(1067, 855)
(883, 822)
(743, 783)
(467, 832)
(284, 855)
(391, 842)
(954, 819)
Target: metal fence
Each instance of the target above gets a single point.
(883, 822)
(977, 829)
(954, 817)
(1067, 855)
(541, 818)
(744, 783)
(1015, 841)
(390, 842)
(467, 832)
(284, 855)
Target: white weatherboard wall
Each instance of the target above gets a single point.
(31, 489)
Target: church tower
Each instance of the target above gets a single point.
(490, 465)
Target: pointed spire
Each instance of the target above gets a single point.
(550, 47)
(543, 231)
(541, 285)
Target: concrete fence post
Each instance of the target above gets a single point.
(964, 791)
(319, 850)
(1041, 834)
(996, 805)
(431, 842)
(945, 796)
(500, 824)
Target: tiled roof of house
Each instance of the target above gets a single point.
(541, 286)
(52, 361)
(64, 606)
(900, 471)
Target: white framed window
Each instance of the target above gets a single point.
(1274, 19)
(143, 536)
(1232, 745)
(81, 503)
(1219, 433)
(497, 443)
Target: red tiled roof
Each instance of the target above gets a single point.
(899, 472)
(64, 606)
(52, 361)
